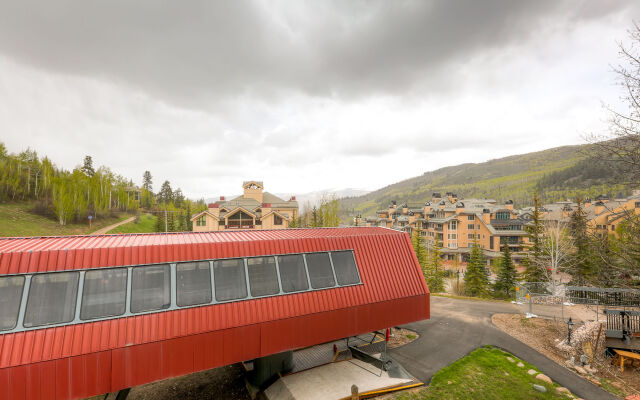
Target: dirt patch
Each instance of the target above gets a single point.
(400, 337)
(218, 383)
(545, 335)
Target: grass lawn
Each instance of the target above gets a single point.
(485, 374)
(146, 224)
(16, 219)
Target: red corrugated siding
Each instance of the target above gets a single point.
(96, 357)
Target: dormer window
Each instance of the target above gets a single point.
(201, 221)
(277, 220)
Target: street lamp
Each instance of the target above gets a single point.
(569, 326)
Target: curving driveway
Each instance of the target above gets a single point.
(458, 327)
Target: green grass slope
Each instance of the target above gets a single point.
(145, 224)
(486, 373)
(558, 173)
(16, 219)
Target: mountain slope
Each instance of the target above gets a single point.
(558, 173)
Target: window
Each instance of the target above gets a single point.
(104, 293)
(320, 271)
(150, 288)
(503, 215)
(52, 299)
(263, 277)
(345, 267)
(613, 228)
(471, 217)
(478, 226)
(10, 298)
(453, 225)
(277, 220)
(229, 279)
(470, 236)
(240, 220)
(453, 236)
(201, 221)
(292, 274)
(193, 283)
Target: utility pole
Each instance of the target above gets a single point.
(166, 227)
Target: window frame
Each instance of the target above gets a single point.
(19, 327)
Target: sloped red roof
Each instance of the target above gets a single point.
(387, 264)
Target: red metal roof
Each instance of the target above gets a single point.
(391, 280)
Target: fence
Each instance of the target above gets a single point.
(579, 302)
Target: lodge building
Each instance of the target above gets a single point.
(255, 209)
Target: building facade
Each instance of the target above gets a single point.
(456, 224)
(255, 209)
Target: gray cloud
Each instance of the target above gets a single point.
(194, 53)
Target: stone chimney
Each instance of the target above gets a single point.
(405, 209)
(587, 202)
(459, 207)
(293, 198)
(214, 208)
(427, 208)
(266, 208)
(222, 198)
(599, 207)
(486, 216)
(509, 205)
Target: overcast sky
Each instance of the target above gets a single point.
(303, 95)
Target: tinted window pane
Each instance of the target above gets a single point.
(320, 273)
(345, 266)
(228, 276)
(10, 297)
(150, 288)
(194, 283)
(104, 293)
(263, 277)
(52, 299)
(292, 274)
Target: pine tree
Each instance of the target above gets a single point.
(87, 167)
(165, 196)
(436, 271)
(506, 278)
(583, 265)
(160, 223)
(475, 278)
(535, 265)
(147, 181)
(421, 255)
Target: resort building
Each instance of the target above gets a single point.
(603, 215)
(255, 209)
(455, 224)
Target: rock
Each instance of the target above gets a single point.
(590, 369)
(449, 382)
(593, 380)
(540, 388)
(569, 364)
(532, 372)
(520, 365)
(562, 389)
(544, 378)
(511, 360)
(506, 373)
(580, 370)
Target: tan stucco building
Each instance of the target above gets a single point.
(255, 209)
(457, 223)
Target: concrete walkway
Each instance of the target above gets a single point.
(458, 327)
(110, 227)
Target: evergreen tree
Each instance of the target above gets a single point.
(147, 181)
(475, 278)
(436, 271)
(583, 265)
(187, 218)
(506, 278)
(535, 265)
(178, 198)
(165, 196)
(421, 254)
(160, 223)
(87, 167)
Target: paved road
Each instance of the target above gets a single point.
(458, 327)
(110, 227)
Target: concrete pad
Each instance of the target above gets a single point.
(332, 381)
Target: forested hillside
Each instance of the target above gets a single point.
(68, 197)
(558, 174)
